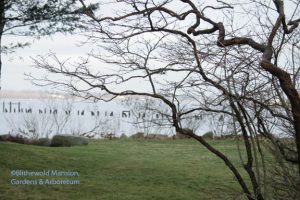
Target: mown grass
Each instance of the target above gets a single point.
(123, 169)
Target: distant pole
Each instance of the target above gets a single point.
(1, 27)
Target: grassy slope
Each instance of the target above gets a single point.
(122, 169)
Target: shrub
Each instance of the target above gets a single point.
(123, 136)
(68, 140)
(208, 135)
(181, 136)
(138, 135)
(42, 142)
(15, 138)
(109, 136)
(156, 136)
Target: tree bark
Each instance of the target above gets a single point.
(293, 96)
(220, 155)
(2, 24)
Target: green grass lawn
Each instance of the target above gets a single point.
(121, 170)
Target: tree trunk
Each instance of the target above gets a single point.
(227, 162)
(2, 24)
(291, 92)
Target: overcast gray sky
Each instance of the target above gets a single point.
(20, 62)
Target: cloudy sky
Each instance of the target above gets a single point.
(15, 65)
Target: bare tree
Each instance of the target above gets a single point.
(241, 70)
(148, 116)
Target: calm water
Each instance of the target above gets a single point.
(48, 117)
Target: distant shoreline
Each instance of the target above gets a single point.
(11, 94)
